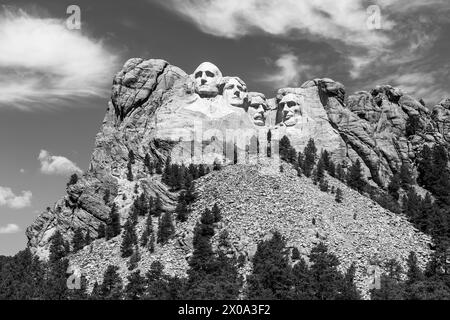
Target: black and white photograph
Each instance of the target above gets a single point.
(224, 155)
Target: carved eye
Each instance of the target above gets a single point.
(291, 104)
(240, 88)
(229, 86)
(198, 74)
(209, 74)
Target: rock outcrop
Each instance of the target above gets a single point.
(158, 111)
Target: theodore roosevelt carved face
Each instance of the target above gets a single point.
(207, 77)
(257, 108)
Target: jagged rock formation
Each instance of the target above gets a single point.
(159, 111)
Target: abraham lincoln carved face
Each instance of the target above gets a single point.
(207, 77)
(290, 109)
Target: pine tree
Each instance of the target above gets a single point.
(340, 173)
(193, 171)
(135, 287)
(134, 259)
(216, 212)
(355, 177)
(73, 179)
(77, 240)
(57, 247)
(405, 176)
(339, 195)
(349, 290)
(302, 280)
(394, 186)
(113, 227)
(182, 210)
(147, 234)
(131, 157)
(295, 254)
(158, 206)
(112, 285)
(166, 228)
(272, 275)
(414, 273)
(167, 173)
(325, 158)
(129, 238)
(287, 152)
(55, 287)
(332, 169)
(217, 166)
(320, 170)
(326, 278)
(412, 205)
(87, 239)
(323, 185)
(310, 153)
(129, 172)
(425, 167)
(101, 232)
(201, 170)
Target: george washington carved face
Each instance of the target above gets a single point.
(207, 77)
(290, 109)
(257, 108)
(234, 90)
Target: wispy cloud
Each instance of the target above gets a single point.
(57, 165)
(9, 229)
(409, 29)
(9, 199)
(290, 71)
(42, 62)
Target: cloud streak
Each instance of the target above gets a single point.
(43, 63)
(409, 30)
(9, 229)
(13, 201)
(57, 165)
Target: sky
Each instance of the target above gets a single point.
(57, 66)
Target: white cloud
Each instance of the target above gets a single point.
(13, 201)
(290, 71)
(10, 228)
(407, 28)
(43, 63)
(57, 165)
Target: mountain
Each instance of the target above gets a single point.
(158, 112)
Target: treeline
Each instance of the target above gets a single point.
(279, 272)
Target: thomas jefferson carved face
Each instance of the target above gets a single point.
(290, 108)
(207, 77)
(234, 91)
(257, 109)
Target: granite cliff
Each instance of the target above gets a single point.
(158, 111)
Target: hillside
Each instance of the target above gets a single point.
(258, 199)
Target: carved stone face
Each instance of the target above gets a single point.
(207, 77)
(234, 91)
(257, 109)
(290, 108)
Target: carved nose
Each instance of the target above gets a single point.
(237, 93)
(286, 109)
(203, 81)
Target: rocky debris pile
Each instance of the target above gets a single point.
(256, 200)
